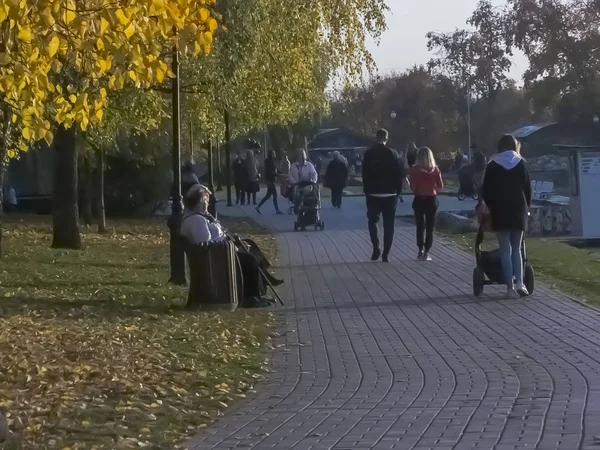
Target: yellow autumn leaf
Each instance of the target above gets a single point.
(100, 44)
(53, 46)
(121, 17)
(25, 34)
(204, 14)
(103, 25)
(49, 137)
(26, 132)
(69, 12)
(98, 115)
(129, 30)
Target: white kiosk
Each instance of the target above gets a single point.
(584, 171)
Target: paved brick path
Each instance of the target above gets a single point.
(401, 356)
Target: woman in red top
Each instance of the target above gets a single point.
(425, 182)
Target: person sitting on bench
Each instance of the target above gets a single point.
(199, 226)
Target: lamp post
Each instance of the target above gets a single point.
(219, 172)
(228, 157)
(176, 250)
(211, 183)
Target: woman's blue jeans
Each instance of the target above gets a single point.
(510, 255)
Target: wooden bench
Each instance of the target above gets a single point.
(215, 281)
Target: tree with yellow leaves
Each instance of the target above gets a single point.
(59, 57)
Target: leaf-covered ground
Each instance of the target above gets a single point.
(97, 352)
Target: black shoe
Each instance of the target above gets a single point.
(376, 254)
(385, 258)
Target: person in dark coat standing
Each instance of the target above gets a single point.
(336, 177)
(271, 175)
(252, 173)
(239, 180)
(382, 181)
(506, 192)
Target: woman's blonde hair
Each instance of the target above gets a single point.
(425, 158)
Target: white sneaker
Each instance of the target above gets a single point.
(511, 294)
(522, 290)
(426, 257)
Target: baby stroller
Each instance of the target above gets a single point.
(307, 206)
(489, 265)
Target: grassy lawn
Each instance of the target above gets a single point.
(574, 271)
(96, 350)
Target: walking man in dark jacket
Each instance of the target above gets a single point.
(336, 176)
(382, 182)
(271, 174)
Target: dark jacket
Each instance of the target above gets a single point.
(238, 169)
(336, 174)
(381, 171)
(506, 191)
(271, 171)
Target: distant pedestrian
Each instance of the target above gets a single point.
(404, 173)
(425, 181)
(411, 154)
(271, 174)
(10, 200)
(239, 179)
(506, 192)
(252, 176)
(382, 177)
(336, 177)
(188, 177)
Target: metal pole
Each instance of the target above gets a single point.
(228, 158)
(469, 122)
(211, 184)
(177, 255)
(192, 142)
(219, 171)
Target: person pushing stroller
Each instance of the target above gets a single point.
(302, 174)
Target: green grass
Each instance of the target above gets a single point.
(96, 350)
(574, 271)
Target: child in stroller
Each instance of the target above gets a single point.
(307, 206)
(489, 265)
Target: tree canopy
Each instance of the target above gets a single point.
(58, 58)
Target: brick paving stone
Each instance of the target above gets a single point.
(402, 356)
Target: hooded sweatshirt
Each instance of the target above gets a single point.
(506, 190)
(424, 181)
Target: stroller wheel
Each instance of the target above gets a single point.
(529, 278)
(461, 195)
(475, 195)
(295, 226)
(316, 226)
(478, 280)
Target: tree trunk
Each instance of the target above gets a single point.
(2, 157)
(65, 214)
(100, 213)
(6, 124)
(87, 191)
